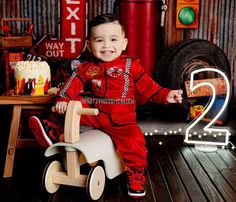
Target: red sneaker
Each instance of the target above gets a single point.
(136, 183)
(46, 132)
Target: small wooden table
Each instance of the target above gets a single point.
(18, 103)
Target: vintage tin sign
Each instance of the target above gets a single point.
(71, 43)
(219, 83)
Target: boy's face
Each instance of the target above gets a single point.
(107, 41)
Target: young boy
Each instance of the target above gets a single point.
(114, 80)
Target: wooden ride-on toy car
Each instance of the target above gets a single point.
(80, 148)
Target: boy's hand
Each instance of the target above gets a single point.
(61, 107)
(174, 96)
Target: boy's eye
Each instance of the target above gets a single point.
(98, 40)
(114, 39)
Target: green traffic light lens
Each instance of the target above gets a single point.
(187, 15)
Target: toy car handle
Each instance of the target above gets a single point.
(87, 111)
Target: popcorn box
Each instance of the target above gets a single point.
(14, 58)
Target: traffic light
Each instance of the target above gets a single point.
(187, 13)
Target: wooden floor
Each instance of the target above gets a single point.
(176, 172)
(181, 173)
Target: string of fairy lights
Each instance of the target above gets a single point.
(195, 135)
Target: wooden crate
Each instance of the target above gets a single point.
(16, 41)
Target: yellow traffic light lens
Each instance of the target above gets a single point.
(187, 15)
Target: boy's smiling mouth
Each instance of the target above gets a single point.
(107, 52)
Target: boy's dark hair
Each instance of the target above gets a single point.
(101, 19)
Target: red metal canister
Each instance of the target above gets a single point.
(140, 18)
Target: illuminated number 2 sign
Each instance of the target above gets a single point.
(73, 32)
(208, 129)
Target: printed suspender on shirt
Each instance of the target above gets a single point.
(126, 76)
(63, 90)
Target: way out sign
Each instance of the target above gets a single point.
(73, 32)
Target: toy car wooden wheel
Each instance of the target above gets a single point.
(51, 168)
(96, 182)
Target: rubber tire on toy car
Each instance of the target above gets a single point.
(96, 182)
(50, 169)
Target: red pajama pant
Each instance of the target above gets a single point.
(128, 138)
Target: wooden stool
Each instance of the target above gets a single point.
(19, 103)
